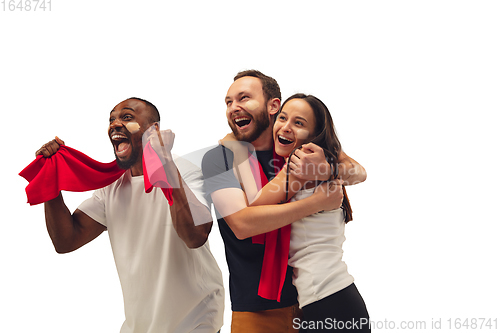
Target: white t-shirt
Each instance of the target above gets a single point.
(316, 254)
(166, 286)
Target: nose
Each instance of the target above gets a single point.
(287, 127)
(234, 107)
(116, 123)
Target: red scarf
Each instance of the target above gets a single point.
(70, 170)
(156, 176)
(277, 244)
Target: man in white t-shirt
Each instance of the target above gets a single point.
(169, 278)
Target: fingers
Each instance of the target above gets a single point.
(50, 148)
(311, 147)
(336, 182)
(336, 185)
(311, 155)
(294, 160)
(227, 139)
(299, 153)
(294, 165)
(304, 165)
(330, 194)
(59, 141)
(331, 187)
(310, 163)
(160, 139)
(159, 135)
(168, 137)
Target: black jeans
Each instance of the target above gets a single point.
(343, 311)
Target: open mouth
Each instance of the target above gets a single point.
(121, 144)
(242, 121)
(284, 141)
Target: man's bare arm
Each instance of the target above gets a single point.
(250, 221)
(67, 231)
(185, 210)
(191, 219)
(306, 165)
(309, 163)
(350, 171)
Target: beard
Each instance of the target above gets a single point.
(261, 123)
(130, 161)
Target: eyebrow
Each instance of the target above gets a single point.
(123, 109)
(298, 117)
(237, 95)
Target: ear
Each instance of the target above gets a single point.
(273, 106)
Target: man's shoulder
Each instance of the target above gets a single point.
(217, 168)
(218, 157)
(217, 152)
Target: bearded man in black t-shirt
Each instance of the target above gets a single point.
(252, 102)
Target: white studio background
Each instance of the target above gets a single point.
(413, 87)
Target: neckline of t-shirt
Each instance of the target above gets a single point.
(139, 178)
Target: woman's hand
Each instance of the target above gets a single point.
(228, 138)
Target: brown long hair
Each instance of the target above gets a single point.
(325, 137)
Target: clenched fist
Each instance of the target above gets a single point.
(50, 148)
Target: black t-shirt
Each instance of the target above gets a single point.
(244, 258)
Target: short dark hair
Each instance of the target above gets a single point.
(269, 85)
(154, 114)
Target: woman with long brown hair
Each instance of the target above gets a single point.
(325, 288)
(326, 291)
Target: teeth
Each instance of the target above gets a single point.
(241, 119)
(118, 136)
(284, 139)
